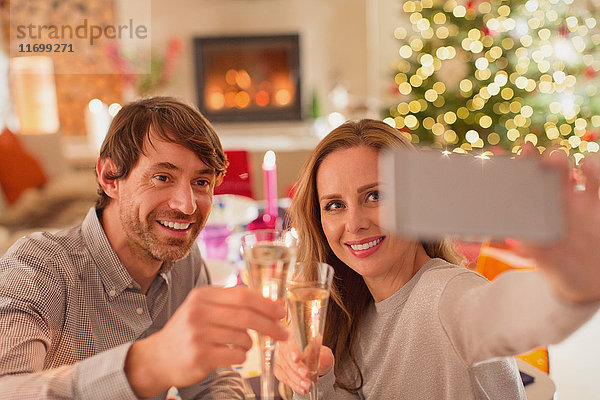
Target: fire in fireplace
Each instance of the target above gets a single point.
(248, 78)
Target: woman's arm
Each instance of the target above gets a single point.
(515, 313)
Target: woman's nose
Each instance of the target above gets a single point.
(184, 200)
(356, 220)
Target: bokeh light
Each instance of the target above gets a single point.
(492, 74)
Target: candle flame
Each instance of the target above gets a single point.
(314, 317)
(269, 160)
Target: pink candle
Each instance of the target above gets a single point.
(270, 184)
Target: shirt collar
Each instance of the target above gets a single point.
(113, 273)
(165, 271)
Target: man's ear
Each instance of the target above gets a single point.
(104, 169)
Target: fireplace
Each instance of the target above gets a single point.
(248, 78)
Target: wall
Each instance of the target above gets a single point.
(575, 362)
(74, 91)
(333, 37)
(383, 16)
(333, 42)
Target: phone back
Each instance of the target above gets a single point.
(429, 195)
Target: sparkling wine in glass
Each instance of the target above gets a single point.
(268, 254)
(308, 291)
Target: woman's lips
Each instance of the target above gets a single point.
(365, 248)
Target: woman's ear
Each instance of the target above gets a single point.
(104, 169)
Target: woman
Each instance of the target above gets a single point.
(404, 321)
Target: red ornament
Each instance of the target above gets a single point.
(291, 190)
(590, 136)
(497, 150)
(563, 31)
(590, 72)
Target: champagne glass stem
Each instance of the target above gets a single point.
(267, 387)
(312, 394)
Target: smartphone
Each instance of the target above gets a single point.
(430, 195)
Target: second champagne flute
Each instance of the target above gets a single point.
(268, 253)
(308, 292)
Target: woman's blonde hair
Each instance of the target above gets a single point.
(349, 292)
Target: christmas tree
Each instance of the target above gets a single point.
(495, 74)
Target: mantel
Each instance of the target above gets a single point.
(254, 137)
(276, 136)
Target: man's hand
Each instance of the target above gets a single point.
(573, 264)
(208, 330)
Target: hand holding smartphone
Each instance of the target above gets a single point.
(429, 195)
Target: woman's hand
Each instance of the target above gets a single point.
(572, 264)
(293, 371)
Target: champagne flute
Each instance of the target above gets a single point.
(267, 254)
(307, 296)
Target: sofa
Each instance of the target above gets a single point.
(39, 191)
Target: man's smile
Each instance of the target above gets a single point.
(176, 226)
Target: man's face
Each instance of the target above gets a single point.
(165, 201)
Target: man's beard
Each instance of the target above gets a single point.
(141, 235)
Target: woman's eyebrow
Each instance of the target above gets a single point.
(330, 196)
(359, 190)
(367, 187)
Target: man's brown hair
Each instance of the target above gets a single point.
(166, 118)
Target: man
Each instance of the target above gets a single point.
(118, 307)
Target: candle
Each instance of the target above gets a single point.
(270, 184)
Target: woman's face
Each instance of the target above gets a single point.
(348, 190)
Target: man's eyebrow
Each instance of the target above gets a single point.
(172, 167)
(166, 165)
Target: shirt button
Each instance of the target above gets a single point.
(112, 293)
(139, 310)
(130, 286)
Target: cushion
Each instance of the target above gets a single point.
(19, 170)
(2, 200)
(47, 149)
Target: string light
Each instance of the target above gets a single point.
(482, 73)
